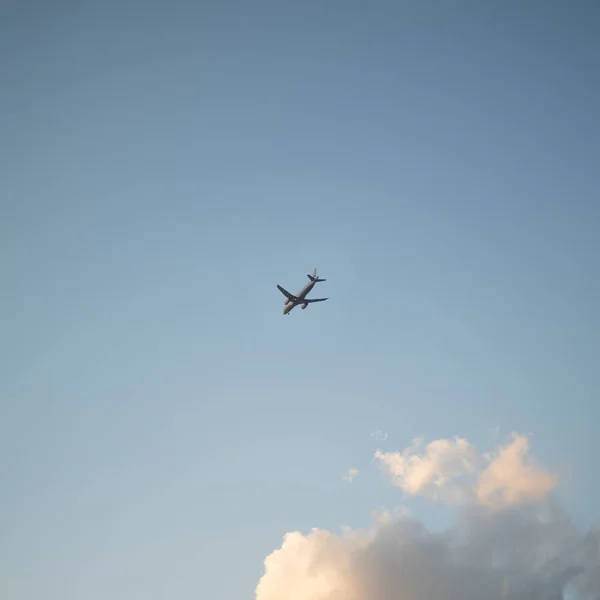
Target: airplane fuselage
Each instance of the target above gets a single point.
(301, 295)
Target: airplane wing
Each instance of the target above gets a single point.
(309, 300)
(287, 294)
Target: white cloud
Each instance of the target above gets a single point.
(453, 470)
(490, 555)
(437, 473)
(510, 541)
(512, 477)
(350, 474)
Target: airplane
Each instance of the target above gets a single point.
(293, 301)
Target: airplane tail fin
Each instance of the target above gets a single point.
(315, 277)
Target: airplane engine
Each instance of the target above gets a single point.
(304, 306)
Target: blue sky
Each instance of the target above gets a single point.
(165, 165)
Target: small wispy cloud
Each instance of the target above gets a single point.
(379, 435)
(495, 431)
(350, 474)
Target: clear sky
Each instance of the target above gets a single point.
(166, 164)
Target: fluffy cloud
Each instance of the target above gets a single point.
(314, 567)
(350, 474)
(437, 473)
(509, 541)
(512, 477)
(490, 555)
(452, 470)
